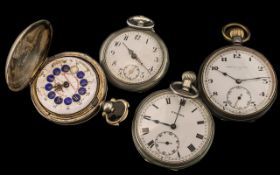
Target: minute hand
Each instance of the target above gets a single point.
(134, 56)
(257, 78)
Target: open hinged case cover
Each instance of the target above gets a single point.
(27, 54)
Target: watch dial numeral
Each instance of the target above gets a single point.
(224, 59)
(199, 136)
(260, 68)
(191, 147)
(155, 106)
(147, 41)
(112, 52)
(155, 49)
(236, 55)
(117, 44)
(194, 110)
(156, 59)
(262, 94)
(145, 131)
(151, 143)
(200, 122)
(168, 101)
(125, 38)
(215, 68)
(137, 37)
(182, 102)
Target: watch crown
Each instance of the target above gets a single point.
(189, 75)
(236, 33)
(140, 22)
(188, 78)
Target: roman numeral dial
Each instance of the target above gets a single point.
(171, 128)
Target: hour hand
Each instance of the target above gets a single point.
(156, 121)
(134, 56)
(226, 74)
(131, 52)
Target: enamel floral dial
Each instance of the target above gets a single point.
(134, 58)
(66, 85)
(69, 89)
(172, 131)
(238, 82)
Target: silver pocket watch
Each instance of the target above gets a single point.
(68, 88)
(135, 58)
(172, 128)
(237, 82)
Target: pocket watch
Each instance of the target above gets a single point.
(68, 88)
(172, 128)
(237, 82)
(135, 58)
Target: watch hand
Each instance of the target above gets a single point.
(131, 52)
(226, 74)
(67, 80)
(134, 56)
(58, 87)
(173, 126)
(257, 78)
(238, 81)
(156, 121)
(167, 143)
(238, 98)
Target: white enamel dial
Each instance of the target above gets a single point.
(66, 85)
(134, 57)
(239, 81)
(171, 129)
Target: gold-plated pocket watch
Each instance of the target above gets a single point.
(172, 128)
(68, 88)
(135, 58)
(237, 82)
